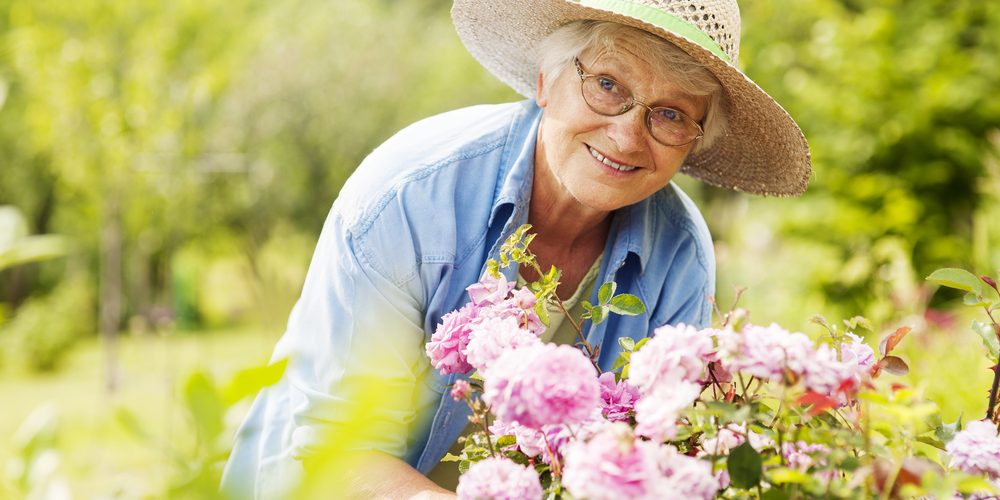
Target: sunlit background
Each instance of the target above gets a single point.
(166, 167)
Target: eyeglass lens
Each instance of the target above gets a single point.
(606, 96)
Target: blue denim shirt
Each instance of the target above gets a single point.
(411, 229)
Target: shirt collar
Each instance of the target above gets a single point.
(517, 163)
(630, 235)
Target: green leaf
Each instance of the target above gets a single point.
(985, 332)
(850, 464)
(627, 343)
(776, 494)
(504, 441)
(784, 475)
(248, 382)
(931, 441)
(542, 312)
(974, 484)
(131, 422)
(205, 405)
(33, 249)
(858, 322)
(640, 343)
(745, 466)
(975, 300)
(946, 432)
(598, 314)
(627, 305)
(957, 278)
(606, 292)
(622, 360)
(820, 320)
(553, 275)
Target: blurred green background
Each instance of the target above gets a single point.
(165, 169)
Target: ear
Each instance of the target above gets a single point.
(540, 94)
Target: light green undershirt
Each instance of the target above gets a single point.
(559, 331)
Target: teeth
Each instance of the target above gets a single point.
(617, 166)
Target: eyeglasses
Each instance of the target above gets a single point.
(605, 96)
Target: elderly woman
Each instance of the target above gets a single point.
(624, 95)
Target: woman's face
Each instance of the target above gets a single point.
(573, 139)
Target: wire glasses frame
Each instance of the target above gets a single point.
(606, 96)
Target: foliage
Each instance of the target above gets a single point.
(893, 99)
(17, 247)
(981, 291)
(136, 127)
(43, 331)
(36, 469)
(198, 464)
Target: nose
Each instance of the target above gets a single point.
(628, 131)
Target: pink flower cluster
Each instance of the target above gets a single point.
(674, 354)
(857, 352)
(549, 441)
(667, 372)
(730, 437)
(497, 318)
(552, 401)
(492, 336)
(802, 455)
(976, 449)
(617, 398)
(499, 479)
(656, 413)
(543, 384)
(775, 354)
(615, 464)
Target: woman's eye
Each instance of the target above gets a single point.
(607, 84)
(669, 115)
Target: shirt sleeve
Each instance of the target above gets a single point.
(355, 344)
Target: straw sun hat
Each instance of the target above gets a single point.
(764, 151)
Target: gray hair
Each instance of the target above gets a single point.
(557, 51)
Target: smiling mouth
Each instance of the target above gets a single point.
(613, 164)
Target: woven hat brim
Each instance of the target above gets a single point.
(763, 152)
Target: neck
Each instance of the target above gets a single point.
(556, 216)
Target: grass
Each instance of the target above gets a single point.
(99, 458)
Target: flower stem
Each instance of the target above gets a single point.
(483, 419)
(993, 393)
(996, 371)
(533, 262)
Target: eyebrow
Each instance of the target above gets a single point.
(613, 70)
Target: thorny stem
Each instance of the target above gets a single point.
(777, 412)
(483, 420)
(866, 411)
(836, 411)
(745, 386)
(993, 393)
(890, 483)
(996, 370)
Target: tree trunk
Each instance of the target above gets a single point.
(111, 298)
